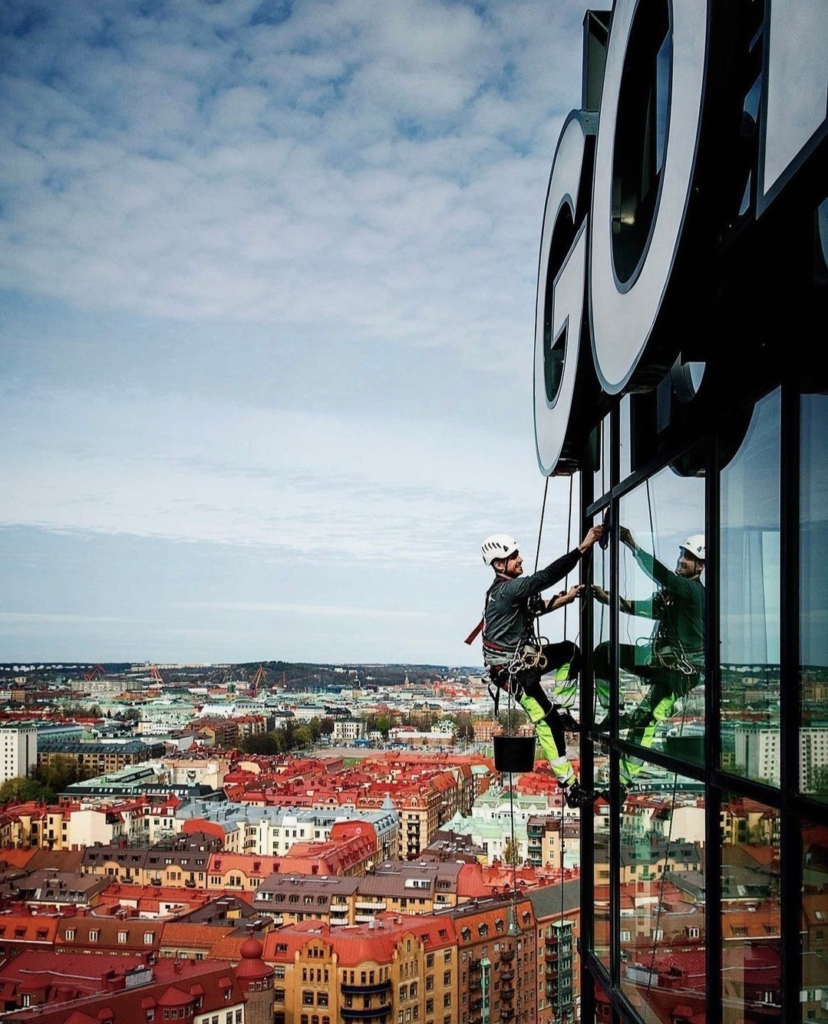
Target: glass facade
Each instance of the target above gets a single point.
(749, 582)
(709, 855)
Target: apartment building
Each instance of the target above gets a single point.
(18, 750)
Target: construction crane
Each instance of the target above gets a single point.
(257, 680)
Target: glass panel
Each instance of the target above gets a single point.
(603, 1010)
(603, 815)
(601, 476)
(625, 437)
(751, 964)
(814, 922)
(661, 921)
(813, 639)
(661, 627)
(750, 588)
(600, 570)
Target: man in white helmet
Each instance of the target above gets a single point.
(512, 603)
(673, 664)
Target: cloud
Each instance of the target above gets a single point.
(349, 165)
(323, 611)
(36, 618)
(344, 489)
(268, 278)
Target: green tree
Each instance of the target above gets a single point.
(302, 737)
(465, 726)
(510, 853)
(21, 790)
(61, 771)
(377, 721)
(262, 743)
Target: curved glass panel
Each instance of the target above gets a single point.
(600, 570)
(813, 597)
(749, 581)
(661, 921)
(603, 816)
(751, 983)
(814, 921)
(660, 604)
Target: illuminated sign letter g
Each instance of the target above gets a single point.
(561, 295)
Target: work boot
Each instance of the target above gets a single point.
(576, 796)
(568, 722)
(620, 794)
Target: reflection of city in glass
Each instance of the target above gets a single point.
(813, 597)
(814, 920)
(749, 578)
(660, 680)
(661, 893)
(750, 909)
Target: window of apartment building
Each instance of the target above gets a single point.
(122, 936)
(70, 934)
(93, 936)
(307, 998)
(149, 938)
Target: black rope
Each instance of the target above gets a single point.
(540, 524)
(660, 906)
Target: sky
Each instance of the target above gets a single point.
(267, 290)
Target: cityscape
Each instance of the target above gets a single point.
(286, 288)
(377, 864)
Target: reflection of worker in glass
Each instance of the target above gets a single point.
(673, 660)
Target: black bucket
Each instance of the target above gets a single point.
(688, 748)
(514, 753)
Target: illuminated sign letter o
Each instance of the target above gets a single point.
(651, 109)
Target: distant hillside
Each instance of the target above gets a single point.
(274, 674)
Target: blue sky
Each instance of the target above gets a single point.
(267, 284)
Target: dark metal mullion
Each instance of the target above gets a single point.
(587, 939)
(712, 744)
(669, 762)
(615, 808)
(790, 706)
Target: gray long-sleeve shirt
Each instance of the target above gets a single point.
(506, 617)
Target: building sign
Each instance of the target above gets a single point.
(709, 153)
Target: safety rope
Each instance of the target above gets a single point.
(529, 655)
(660, 905)
(563, 803)
(540, 641)
(540, 524)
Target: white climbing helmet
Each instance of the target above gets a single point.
(499, 545)
(694, 546)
